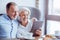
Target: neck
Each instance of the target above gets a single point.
(9, 17)
(24, 23)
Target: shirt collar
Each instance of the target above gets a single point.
(6, 16)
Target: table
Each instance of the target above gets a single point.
(46, 38)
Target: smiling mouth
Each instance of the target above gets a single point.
(14, 15)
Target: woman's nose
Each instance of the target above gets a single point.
(24, 17)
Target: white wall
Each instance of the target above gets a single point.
(19, 2)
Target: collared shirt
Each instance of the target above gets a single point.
(24, 31)
(8, 27)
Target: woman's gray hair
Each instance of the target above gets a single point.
(25, 9)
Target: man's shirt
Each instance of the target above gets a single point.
(8, 27)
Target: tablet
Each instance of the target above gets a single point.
(37, 25)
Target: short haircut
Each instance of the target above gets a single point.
(25, 9)
(9, 4)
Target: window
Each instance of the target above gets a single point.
(54, 7)
(54, 10)
(53, 26)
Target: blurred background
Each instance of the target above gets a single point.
(49, 12)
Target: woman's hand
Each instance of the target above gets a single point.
(38, 32)
(34, 19)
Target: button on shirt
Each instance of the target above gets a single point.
(8, 27)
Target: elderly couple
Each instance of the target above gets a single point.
(15, 23)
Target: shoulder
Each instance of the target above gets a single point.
(2, 18)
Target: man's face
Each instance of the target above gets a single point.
(24, 15)
(12, 12)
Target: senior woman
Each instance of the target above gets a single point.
(25, 23)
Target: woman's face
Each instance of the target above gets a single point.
(23, 15)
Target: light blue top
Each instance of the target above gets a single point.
(8, 27)
(24, 31)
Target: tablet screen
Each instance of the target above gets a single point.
(37, 25)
